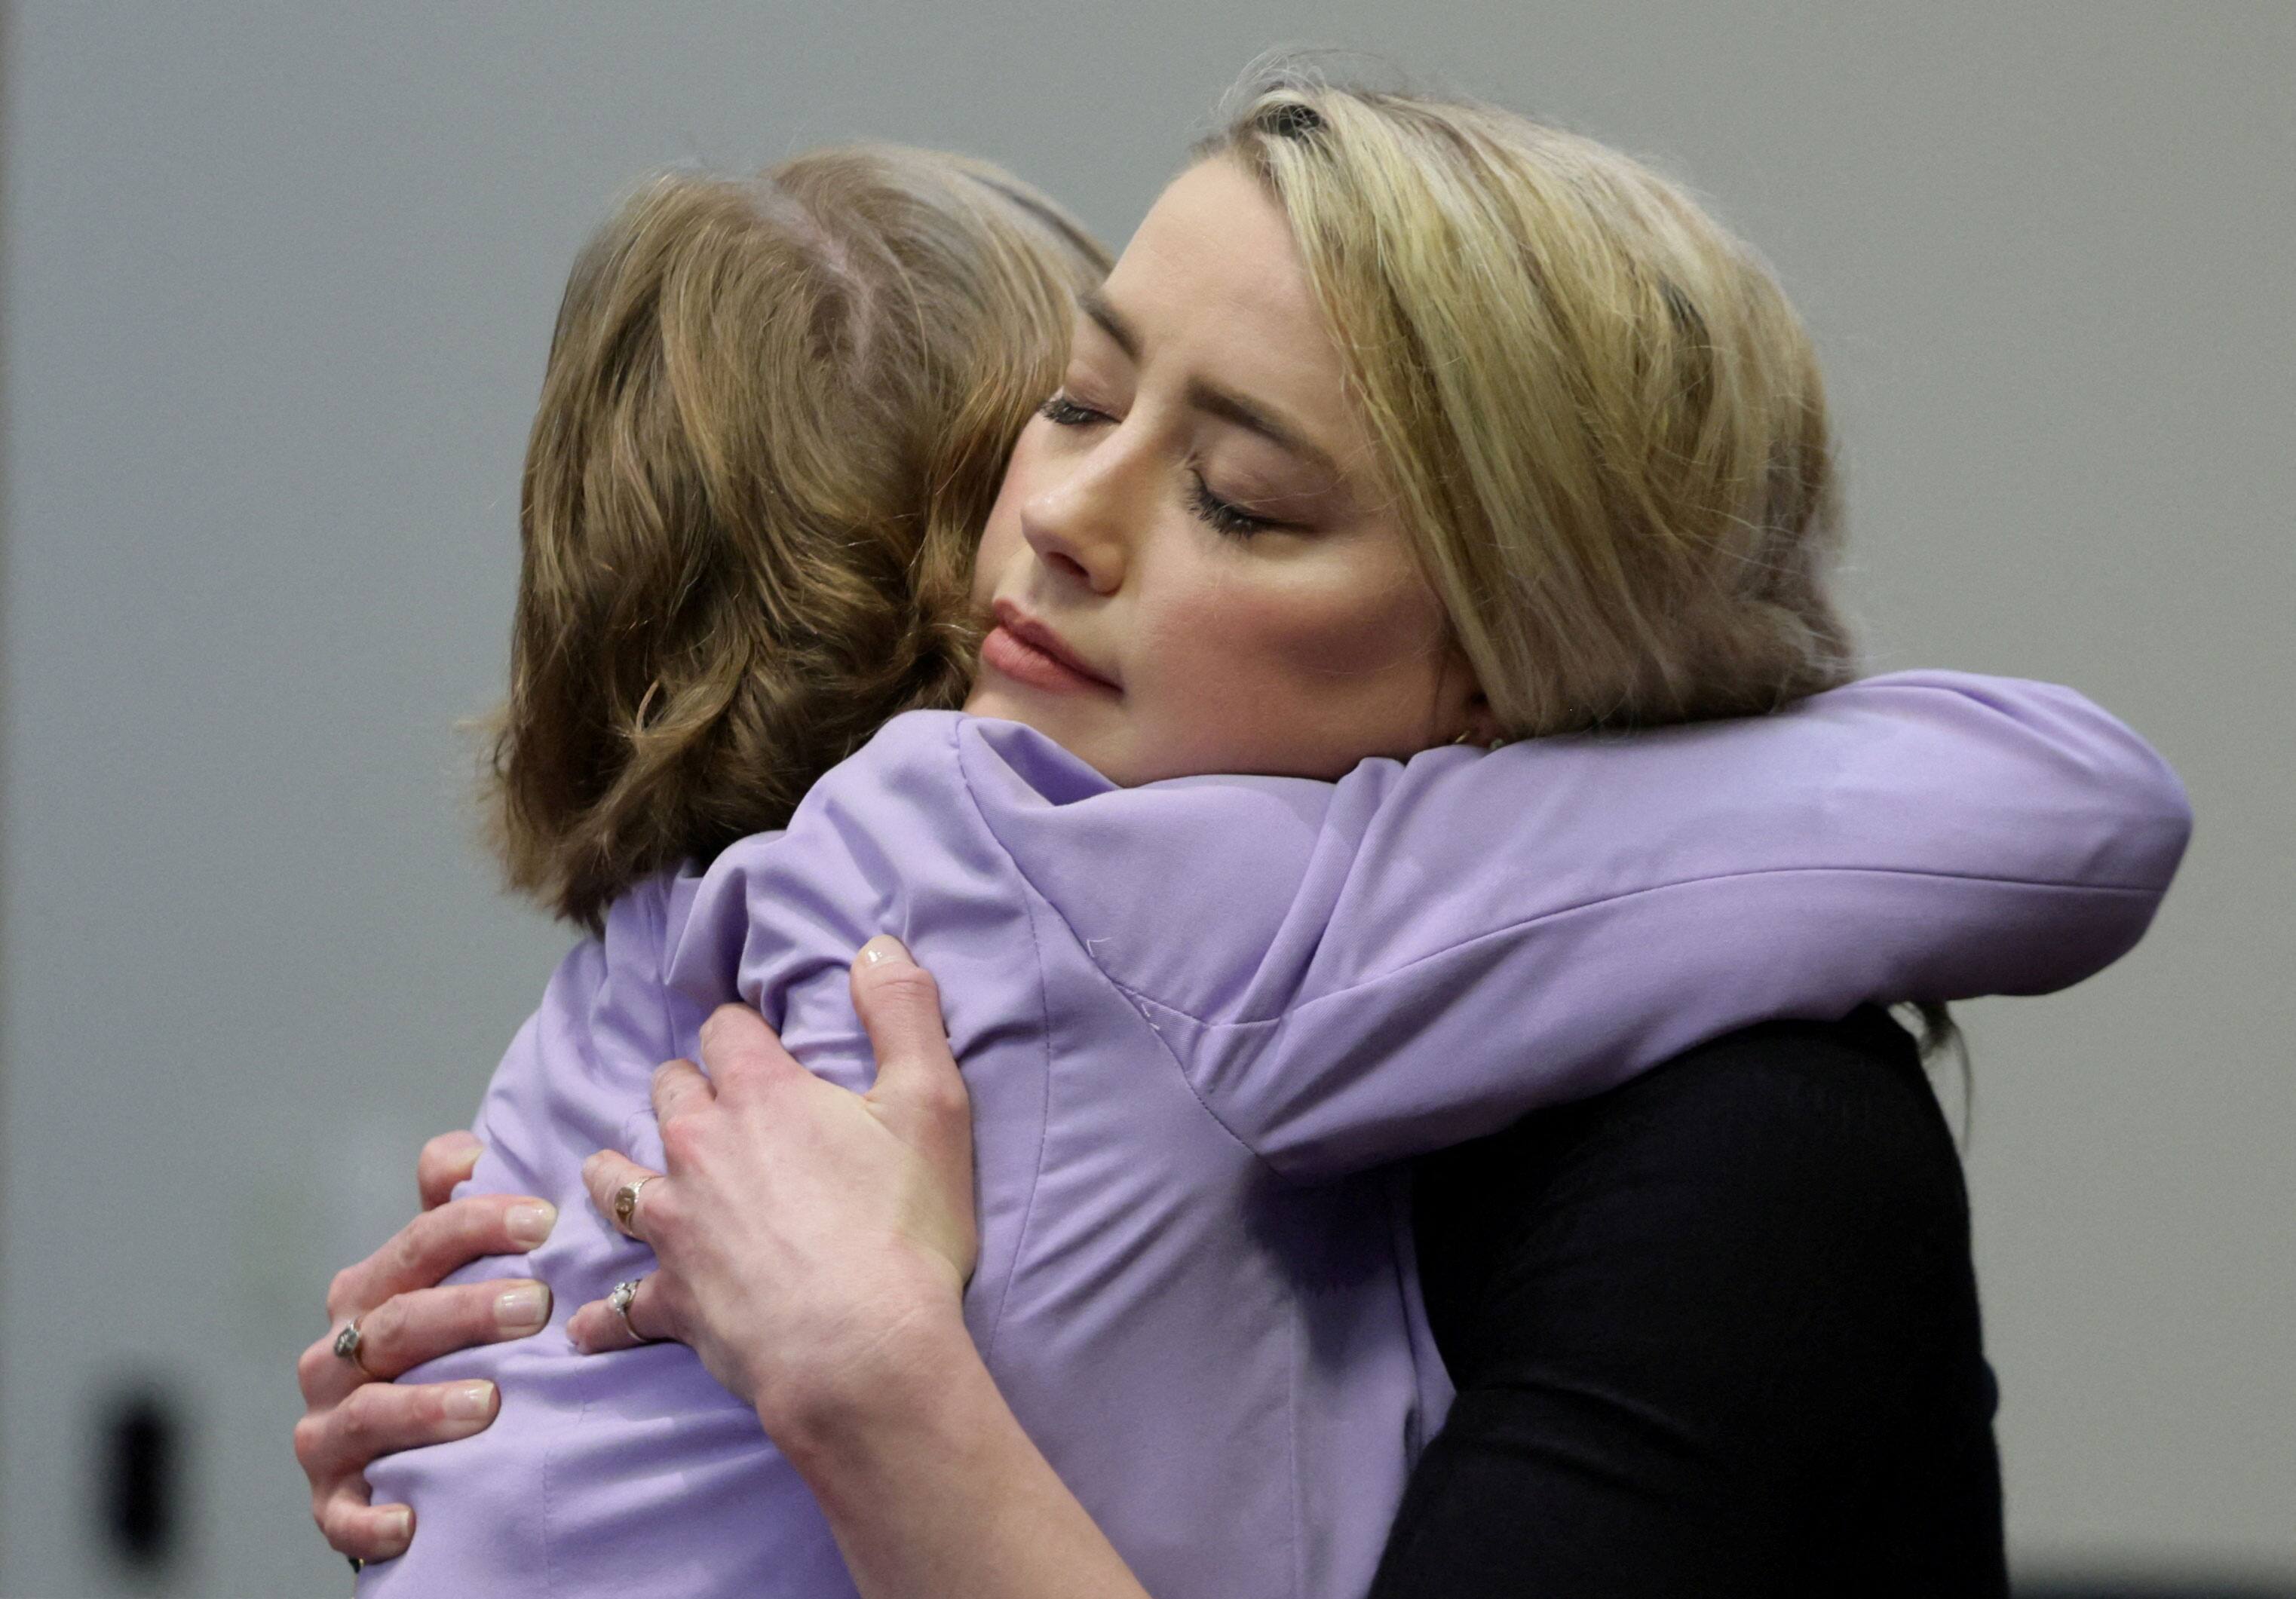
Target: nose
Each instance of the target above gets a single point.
(1078, 525)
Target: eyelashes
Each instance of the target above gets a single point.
(1220, 515)
(1064, 412)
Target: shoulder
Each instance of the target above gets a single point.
(1175, 891)
(1784, 1105)
(580, 1065)
(1720, 1323)
(608, 993)
(892, 812)
(1789, 1164)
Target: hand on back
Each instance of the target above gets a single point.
(802, 1230)
(354, 1411)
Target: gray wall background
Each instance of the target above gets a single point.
(278, 281)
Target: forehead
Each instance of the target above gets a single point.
(1212, 279)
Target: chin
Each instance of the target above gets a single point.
(1090, 744)
(1030, 710)
(984, 701)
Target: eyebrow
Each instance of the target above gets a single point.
(1216, 401)
(1209, 398)
(1093, 304)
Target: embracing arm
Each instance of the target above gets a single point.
(1767, 1361)
(855, 1240)
(813, 1246)
(933, 1488)
(1546, 921)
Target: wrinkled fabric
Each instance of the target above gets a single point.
(1198, 1020)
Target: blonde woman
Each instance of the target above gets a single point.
(1644, 540)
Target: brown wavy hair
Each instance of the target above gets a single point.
(775, 418)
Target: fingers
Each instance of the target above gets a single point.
(899, 1006)
(605, 1175)
(353, 1527)
(335, 1447)
(408, 1329)
(742, 1051)
(679, 1087)
(445, 1161)
(596, 1328)
(438, 1242)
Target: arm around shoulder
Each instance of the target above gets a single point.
(1544, 921)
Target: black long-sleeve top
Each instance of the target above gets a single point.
(1714, 1333)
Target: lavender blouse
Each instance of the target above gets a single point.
(1198, 1019)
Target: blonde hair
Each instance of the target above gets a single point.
(775, 418)
(1601, 422)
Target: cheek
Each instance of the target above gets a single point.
(1344, 629)
(1001, 537)
(1350, 645)
(1309, 671)
(998, 540)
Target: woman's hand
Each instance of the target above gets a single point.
(354, 1412)
(814, 1247)
(803, 1231)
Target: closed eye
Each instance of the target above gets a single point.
(1221, 515)
(1064, 411)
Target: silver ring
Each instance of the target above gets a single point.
(618, 1302)
(625, 1203)
(347, 1347)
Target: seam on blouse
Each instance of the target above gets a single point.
(1139, 1000)
(661, 955)
(1559, 911)
(1045, 1019)
(657, 903)
(658, 914)
(1044, 1124)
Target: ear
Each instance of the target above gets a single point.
(1482, 725)
(1466, 716)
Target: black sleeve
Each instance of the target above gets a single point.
(1714, 1333)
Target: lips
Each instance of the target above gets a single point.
(1025, 648)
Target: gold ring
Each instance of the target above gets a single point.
(626, 1204)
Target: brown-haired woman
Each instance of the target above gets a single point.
(903, 1467)
(775, 416)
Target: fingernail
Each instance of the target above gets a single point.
(885, 950)
(530, 1224)
(469, 1402)
(522, 1308)
(399, 1525)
